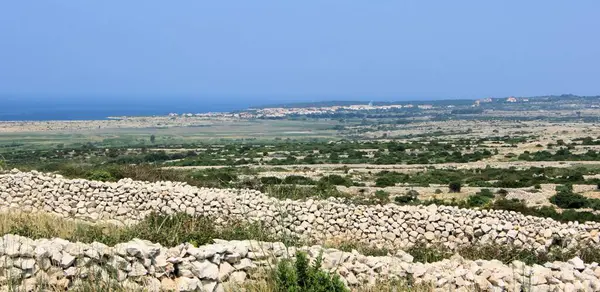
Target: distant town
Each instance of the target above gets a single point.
(280, 112)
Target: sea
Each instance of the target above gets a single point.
(45, 108)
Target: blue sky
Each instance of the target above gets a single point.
(326, 49)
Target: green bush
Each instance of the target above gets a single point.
(301, 276)
(477, 200)
(545, 211)
(486, 193)
(410, 197)
(569, 200)
(270, 180)
(564, 188)
(455, 187)
(384, 181)
(594, 204)
(382, 196)
(337, 180)
(298, 180)
(101, 175)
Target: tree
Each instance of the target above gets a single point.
(384, 181)
(2, 164)
(569, 200)
(152, 139)
(455, 187)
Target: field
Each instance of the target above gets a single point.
(540, 160)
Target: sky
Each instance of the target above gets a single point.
(302, 50)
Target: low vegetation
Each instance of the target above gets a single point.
(172, 230)
(301, 275)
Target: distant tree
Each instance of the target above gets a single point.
(455, 187)
(409, 197)
(384, 181)
(152, 139)
(568, 200)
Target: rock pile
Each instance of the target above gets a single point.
(384, 226)
(140, 264)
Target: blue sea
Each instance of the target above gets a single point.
(42, 108)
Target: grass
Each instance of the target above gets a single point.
(298, 275)
(505, 253)
(167, 230)
(264, 285)
(180, 228)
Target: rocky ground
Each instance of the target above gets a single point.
(391, 225)
(187, 268)
(140, 264)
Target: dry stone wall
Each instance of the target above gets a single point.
(140, 264)
(384, 226)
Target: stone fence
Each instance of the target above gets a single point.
(389, 226)
(141, 265)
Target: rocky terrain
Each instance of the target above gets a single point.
(141, 264)
(392, 226)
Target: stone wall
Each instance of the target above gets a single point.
(384, 226)
(140, 264)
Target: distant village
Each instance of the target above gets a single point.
(279, 112)
(508, 99)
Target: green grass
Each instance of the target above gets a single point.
(168, 230)
(505, 253)
(172, 230)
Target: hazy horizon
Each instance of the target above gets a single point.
(299, 51)
(82, 107)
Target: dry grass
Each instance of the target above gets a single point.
(43, 225)
(389, 286)
(255, 286)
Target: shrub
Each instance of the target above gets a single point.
(337, 180)
(569, 200)
(304, 277)
(101, 175)
(594, 204)
(295, 192)
(383, 182)
(410, 197)
(298, 180)
(511, 205)
(564, 188)
(477, 200)
(412, 193)
(438, 191)
(455, 187)
(270, 180)
(382, 196)
(486, 193)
